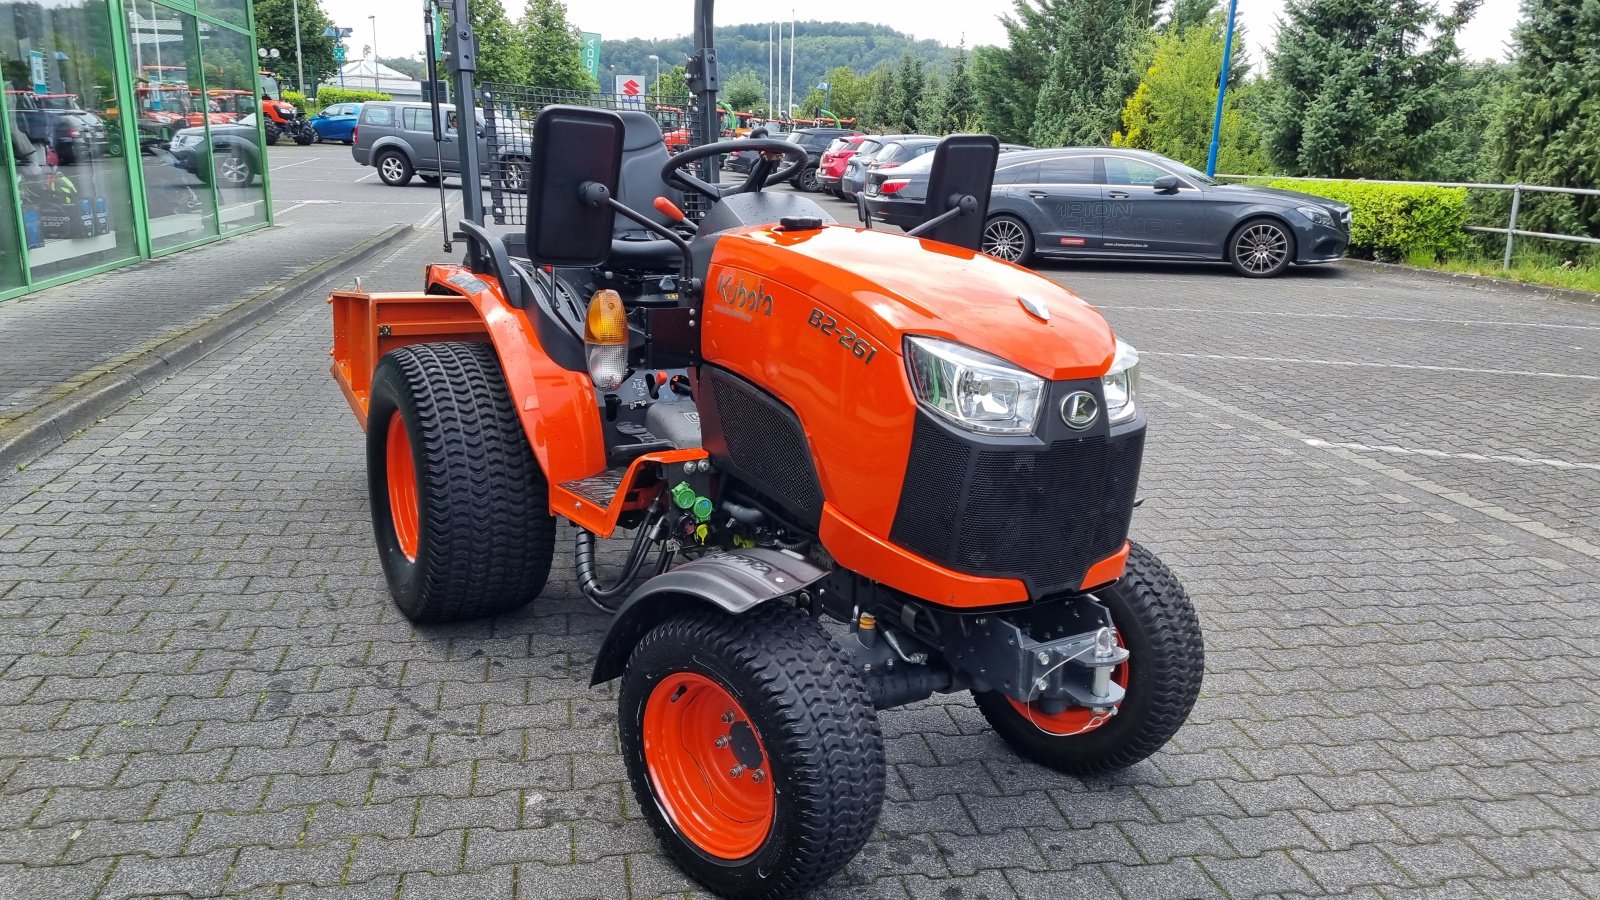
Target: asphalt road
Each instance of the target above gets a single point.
(323, 180)
(1379, 489)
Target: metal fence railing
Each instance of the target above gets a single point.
(1511, 231)
(508, 114)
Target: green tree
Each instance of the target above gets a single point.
(1359, 88)
(1547, 130)
(1171, 110)
(930, 107)
(500, 56)
(959, 110)
(905, 94)
(1090, 70)
(553, 47)
(743, 91)
(673, 83)
(879, 105)
(1186, 14)
(275, 28)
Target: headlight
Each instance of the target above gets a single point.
(974, 390)
(1316, 214)
(1121, 384)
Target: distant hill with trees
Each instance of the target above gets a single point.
(819, 48)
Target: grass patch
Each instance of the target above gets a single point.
(1571, 274)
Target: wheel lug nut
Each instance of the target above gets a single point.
(727, 717)
(722, 741)
(758, 776)
(736, 771)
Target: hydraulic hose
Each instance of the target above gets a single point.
(589, 579)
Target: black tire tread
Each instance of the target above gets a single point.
(489, 535)
(828, 732)
(1175, 660)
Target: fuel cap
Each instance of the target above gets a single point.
(799, 223)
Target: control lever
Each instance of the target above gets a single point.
(672, 212)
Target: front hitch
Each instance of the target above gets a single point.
(1059, 655)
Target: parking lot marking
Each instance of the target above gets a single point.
(1353, 316)
(1443, 492)
(1440, 454)
(1368, 365)
(293, 164)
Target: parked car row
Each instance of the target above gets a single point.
(1119, 203)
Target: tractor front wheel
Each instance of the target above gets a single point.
(753, 749)
(459, 505)
(1156, 621)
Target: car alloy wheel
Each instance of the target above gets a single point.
(1005, 239)
(1261, 248)
(234, 169)
(516, 176)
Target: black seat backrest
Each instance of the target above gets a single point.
(644, 152)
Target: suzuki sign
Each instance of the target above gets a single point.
(630, 91)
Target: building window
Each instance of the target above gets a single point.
(174, 115)
(61, 103)
(237, 158)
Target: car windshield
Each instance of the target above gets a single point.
(247, 121)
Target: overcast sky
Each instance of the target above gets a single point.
(399, 24)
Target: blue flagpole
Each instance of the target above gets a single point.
(1222, 89)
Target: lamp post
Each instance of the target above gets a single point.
(657, 60)
(299, 62)
(374, 21)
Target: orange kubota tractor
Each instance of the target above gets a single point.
(798, 421)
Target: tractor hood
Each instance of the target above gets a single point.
(892, 285)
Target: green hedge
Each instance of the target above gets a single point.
(328, 96)
(1393, 222)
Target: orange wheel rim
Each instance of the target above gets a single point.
(402, 471)
(1074, 719)
(708, 767)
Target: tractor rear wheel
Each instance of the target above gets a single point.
(459, 505)
(1156, 621)
(753, 749)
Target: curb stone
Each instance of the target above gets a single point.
(50, 424)
(1569, 295)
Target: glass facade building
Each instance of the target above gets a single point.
(132, 130)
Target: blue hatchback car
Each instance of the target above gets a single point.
(337, 122)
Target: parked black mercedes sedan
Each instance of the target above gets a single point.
(1118, 203)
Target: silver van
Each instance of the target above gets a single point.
(397, 139)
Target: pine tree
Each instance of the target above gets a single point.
(552, 47)
(1547, 129)
(930, 107)
(1359, 88)
(879, 106)
(906, 94)
(1090, 71)
(960, 103)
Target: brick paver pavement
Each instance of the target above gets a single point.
(1379, 491)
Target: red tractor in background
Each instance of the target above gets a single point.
(280, 117)
(794, 421)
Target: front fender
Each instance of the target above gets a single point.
(734, 582)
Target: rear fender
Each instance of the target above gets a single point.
(734, 582)
(558, 407)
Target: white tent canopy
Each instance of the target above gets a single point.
(370, 75)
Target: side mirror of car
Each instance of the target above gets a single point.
(577, 162)
(1166, 184)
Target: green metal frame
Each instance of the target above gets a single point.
(128, 125)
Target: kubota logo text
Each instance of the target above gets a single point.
(741, 297)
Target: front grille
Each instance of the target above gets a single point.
(752, 433)
(1042, 514)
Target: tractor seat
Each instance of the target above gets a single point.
(675, 421)
(644, 152)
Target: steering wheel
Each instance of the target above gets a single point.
(674, 173)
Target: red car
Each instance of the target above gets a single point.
(831, 169)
